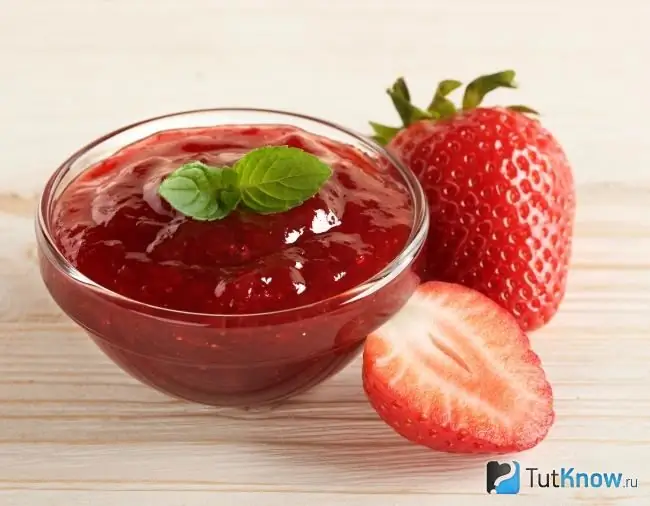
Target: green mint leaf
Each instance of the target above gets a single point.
(202, 192)
(189, 189)
(225, 202)
(228, 200)
(266, 180)
(223, 177)
(278, 178)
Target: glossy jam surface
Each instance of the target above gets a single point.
(254, 320)
(111, 224)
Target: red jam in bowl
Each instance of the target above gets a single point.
(246, 310)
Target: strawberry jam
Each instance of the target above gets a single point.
(113, 226)
(238, 311)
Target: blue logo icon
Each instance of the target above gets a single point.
(503, 477)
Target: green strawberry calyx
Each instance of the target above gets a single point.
(441, 106)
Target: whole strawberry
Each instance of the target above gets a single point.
(501, 195)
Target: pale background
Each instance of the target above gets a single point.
(74, 430)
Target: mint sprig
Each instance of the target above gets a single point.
(266, 180)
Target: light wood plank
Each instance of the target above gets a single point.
(76, 431)
(64, 408)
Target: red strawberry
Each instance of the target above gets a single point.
(501, 196)
(454, 371)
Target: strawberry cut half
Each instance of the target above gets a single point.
(454, 371)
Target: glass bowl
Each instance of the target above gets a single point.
(241, 360)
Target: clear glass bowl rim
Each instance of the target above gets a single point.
(398, 265)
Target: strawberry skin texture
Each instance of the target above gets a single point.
(453, 371)
(502, 203)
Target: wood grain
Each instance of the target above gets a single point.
(76, 431)
(74, 424)
(106, 63)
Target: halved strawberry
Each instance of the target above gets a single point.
(455, 372)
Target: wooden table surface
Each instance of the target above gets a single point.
(75, 430)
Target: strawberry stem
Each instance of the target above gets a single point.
(440, 104)
(401, 98)
(383, 133)
(441, 107)
(402, 89)
(523, 108)
(481, 86)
